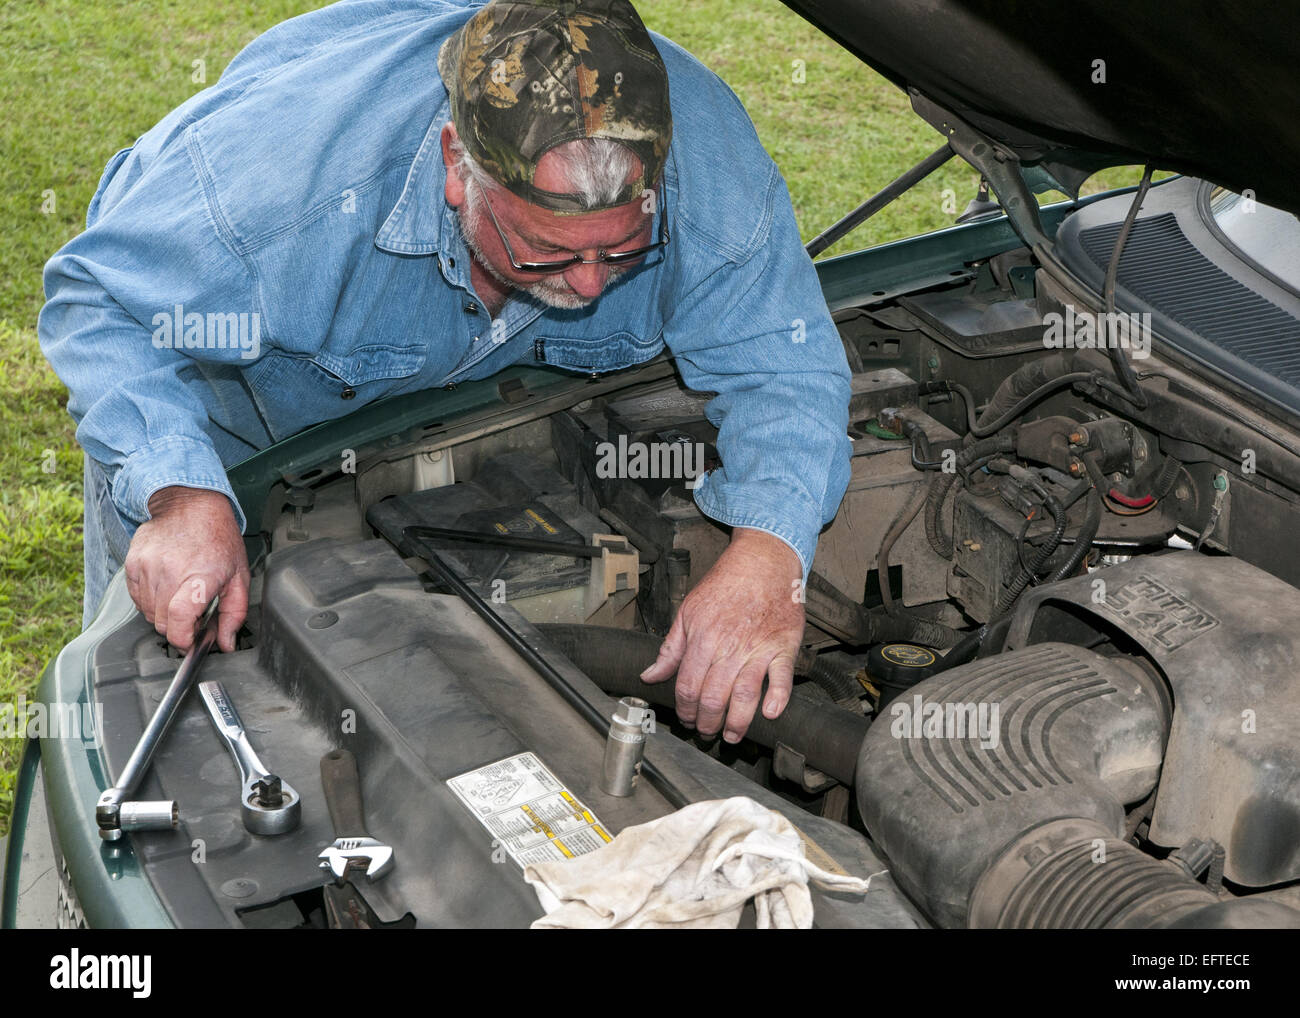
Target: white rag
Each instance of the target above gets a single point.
(695, 868)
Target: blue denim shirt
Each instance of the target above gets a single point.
(299, 204)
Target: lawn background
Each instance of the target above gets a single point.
(81, 80)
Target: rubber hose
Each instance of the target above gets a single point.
(907, 628)
(1024, 381)
(948, 385)
(837, 673)
(966, 649)
(1123, 369)
(939, 540)
(851, 623)
(1046, 389)
(827, 736)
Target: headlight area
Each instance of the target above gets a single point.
(38, 889)
(28, 863)
(90, 884)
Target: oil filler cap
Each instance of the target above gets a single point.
(897, 667)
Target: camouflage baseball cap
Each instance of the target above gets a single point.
(524, 77)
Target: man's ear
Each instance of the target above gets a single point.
(455, 187)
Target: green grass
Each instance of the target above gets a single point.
(78, 81)
(81, 80)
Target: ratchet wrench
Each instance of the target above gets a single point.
(269, 804)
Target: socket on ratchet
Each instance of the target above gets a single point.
(114, 815)
(269, 804)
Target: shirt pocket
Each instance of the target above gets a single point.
(594, 353)
(295, 391)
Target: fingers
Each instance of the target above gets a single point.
(780, 683)
(184, 609)
(141, 595)
(187, 552)
(157, 602)
(745, 695)
(714, 693)
(233, 609)
(670, 653)
(691, 673)
(734, 689)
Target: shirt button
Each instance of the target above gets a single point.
(471, 308)
(348, 393)
(476, 339)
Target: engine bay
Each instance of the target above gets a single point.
(1051, 626)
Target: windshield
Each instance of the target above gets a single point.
(1265, 235)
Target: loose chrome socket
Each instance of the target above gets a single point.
(149, 816)
(625, 745)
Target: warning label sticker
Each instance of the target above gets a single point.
(528, 812)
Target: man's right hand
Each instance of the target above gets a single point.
(189, 551)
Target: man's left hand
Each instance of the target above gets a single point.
(743, 621)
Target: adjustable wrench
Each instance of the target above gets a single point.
(353, 850)
(269, 805)
(113, 814)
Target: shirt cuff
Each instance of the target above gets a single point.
(171, 461)
(798, 523)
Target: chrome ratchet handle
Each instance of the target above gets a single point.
(269, 805)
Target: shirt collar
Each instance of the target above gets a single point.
(421, 220)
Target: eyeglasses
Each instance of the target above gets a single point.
(607, 257)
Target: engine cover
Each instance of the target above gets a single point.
(1051, 731)
(1225, 635)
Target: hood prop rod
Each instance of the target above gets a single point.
(879, 200)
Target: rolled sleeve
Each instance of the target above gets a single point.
(730, 505)
(172, 461)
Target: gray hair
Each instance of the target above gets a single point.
(597, 169)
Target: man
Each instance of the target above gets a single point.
(367, 198)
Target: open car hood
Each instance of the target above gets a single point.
(1203, 88)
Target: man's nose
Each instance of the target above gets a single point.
(587, 280)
